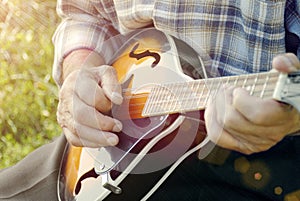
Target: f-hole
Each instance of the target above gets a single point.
(144, 54)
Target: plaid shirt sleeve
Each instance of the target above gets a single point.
(82, 27)
(87, 24)
(238, 37)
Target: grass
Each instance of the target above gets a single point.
(28, 94)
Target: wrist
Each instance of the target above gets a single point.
(79, 59)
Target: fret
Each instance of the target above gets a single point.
(194, 95)
(257, 85)
(154, 98)
(147, 107)
(185, 97)
(207, 94)
(236, 81)
(174, 90)
(187, 93)
(197, 91)
(272, 80)
(227, 80)
(217, 88)
(265, 86)
(191, 96)
(179, 97)
(171, 97)
(245, 82)
(160, 100)
(254, 85)
(202, 91)
(214, 87)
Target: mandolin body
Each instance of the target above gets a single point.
(148, 146)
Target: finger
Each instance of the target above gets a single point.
(64, 114)
(238, 133)
(222, 137)
(72, 110)
(286, 63)
(255, 136)
(236, 124)
(214, 127)
(254, 144)
(242, 143)
(89, 116)
(110, 84)
(230, 118)
(78, 141)
(231, 124)
(241, 128)
(98, 137)
(223, 103)
(93, 95)
(75, 140)
(213, 119)
(264, 112)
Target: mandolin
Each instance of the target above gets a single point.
(163, 119)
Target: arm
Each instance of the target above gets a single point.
(249, 124)
(87, 86)
(83, 29)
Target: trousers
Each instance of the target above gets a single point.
(35, 177)
(222, 175)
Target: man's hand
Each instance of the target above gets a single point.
(237, 121)
(85, 98)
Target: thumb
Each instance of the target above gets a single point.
(110, 84)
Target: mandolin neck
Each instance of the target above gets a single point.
(193, 95)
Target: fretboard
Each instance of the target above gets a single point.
(193, 95)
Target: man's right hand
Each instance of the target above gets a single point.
(85, 99)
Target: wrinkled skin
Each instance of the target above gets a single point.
(85, 99)
(237, 121)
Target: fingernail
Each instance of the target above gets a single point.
(117, 127)
(116, 98)
(112, 140)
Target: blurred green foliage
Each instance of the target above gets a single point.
(28, 95)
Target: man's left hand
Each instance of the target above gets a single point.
(237, 121)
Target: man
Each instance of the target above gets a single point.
(257, 142)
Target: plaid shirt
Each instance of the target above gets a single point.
(240, 36)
